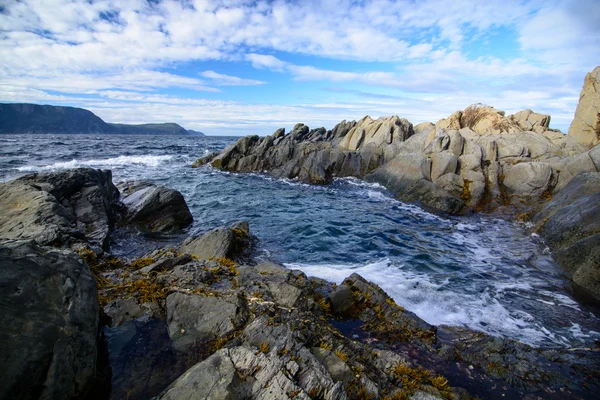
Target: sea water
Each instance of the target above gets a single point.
(482, 272)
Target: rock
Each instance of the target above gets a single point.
(443, 163)
(122, 310)
(485, 120)
(529, 121)
(213, 244)
(337, 368)
(585, 127)
(59, 208)
(49, 314)
(214, 378)
(154, 208)
(199, 317)
(204, 160)
(529, 179)
(452, 122)
(570, 224)
(377, 133)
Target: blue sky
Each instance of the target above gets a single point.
(249, 67)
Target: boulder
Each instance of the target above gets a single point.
(531, 121)
(585, 127)
(49, 313)
(59, 208)
(153, 208)
(213, 244)
(529, 179)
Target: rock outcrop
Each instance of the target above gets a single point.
(49, 314)
(570, 224)
(477, 159)
(59, 208)
(153, 208)
(267, 332)
(585, 127)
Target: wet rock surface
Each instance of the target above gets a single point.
(153, 208)
(49, 311)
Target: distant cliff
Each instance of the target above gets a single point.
(44, 119)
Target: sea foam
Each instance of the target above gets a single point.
(145, 160)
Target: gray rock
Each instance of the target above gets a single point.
(570, 224)
(337, 368)
(212, 379)
(122, 310)
(529, 179)
(49, 314)
(213, 244)
(443, 163)
(203, 317)
(154, 208)
(59, 208)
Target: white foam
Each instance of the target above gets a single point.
(145, 160)
(437, 303)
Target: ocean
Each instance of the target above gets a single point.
(482, 272)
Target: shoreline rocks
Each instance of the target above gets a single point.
(181, 323)
(476, 160)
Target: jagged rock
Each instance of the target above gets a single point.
(204, 160)
(194, 317)
(585, 127)
(377, 133)
(49, 314)
(154, 208)
(59, 208)
(530, 121)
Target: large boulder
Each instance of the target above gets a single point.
(154, 208)
(49, 314)
(213, 244)
(585, 127)
(59, 208)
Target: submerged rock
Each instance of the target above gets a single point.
(49, 314)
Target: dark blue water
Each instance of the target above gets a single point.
(484, 273)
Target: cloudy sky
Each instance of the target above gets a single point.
(249, 67)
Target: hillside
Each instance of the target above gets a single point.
(23, 118)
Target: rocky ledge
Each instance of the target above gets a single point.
(206, 320)
(476, 160)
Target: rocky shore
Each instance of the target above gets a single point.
(476, 160)
(209, 320)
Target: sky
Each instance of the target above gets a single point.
(235, 67)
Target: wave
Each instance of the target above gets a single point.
(435, 301)
(145, 160)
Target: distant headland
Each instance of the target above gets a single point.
(24, 118)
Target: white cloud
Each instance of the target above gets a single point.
(119, 52)
(228, 80)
